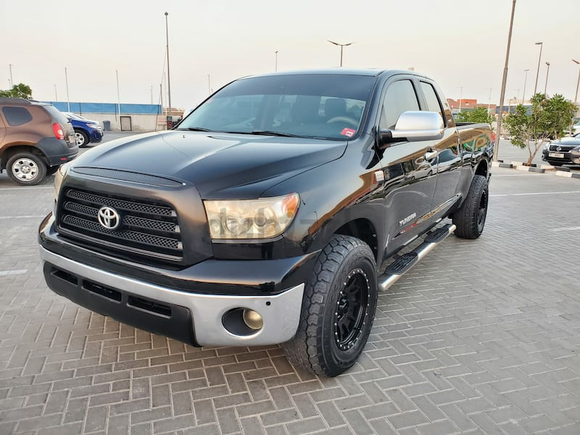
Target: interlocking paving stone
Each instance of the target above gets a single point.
(480, 337)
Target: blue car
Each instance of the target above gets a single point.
(86, 131)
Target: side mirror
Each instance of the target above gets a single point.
(414, 125)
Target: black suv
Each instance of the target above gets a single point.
(35, 139)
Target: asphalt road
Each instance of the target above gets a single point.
(481, 337)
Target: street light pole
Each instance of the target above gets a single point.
(525, 81)
(577, 83)
(341, 48)
(541, 44)
(547, 74)
(460, 98)
(118, 93)
(11, 81)
(168, 74)
(276, 61)
(503, 83)
(67, 97)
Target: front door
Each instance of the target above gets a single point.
(409, 175)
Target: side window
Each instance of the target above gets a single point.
(16, 115)
(400, 97)
(433, 103)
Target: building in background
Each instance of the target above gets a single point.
(130, 117)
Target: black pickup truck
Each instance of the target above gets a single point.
(266, 214)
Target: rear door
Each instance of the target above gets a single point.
(449, 159)
(409, 177)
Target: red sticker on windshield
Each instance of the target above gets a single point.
(348, 132)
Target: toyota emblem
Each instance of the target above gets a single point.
(559, 149)
(109, 218)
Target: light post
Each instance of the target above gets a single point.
(577, 83)
(541, 44)
(525, 81)
(169, 112)
(341, 48)
(276, 61)
(547, 74)
(67, 97)
(503, 83)
(11, 80)
(118, 93)
(489, 102)
(460, 98)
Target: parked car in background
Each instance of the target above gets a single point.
(565, 151)
(86, 130)
(35, 139)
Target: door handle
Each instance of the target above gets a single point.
(431, 154)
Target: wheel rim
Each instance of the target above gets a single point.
(80, 139)
(482, 212)
(25, 169)
(351, 310)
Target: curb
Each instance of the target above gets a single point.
(567, 174)
(539, 169)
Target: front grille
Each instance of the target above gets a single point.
(146, 228)
(563, 148)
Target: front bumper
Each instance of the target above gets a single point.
(197, 319)
(96, 136)
(568, 157)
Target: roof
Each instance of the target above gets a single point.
(20, 101)
(369, 72)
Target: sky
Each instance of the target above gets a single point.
(459, 43)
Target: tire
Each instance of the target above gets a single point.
(82, 138)
(470, 218)
(51, 170)
(26, 169)
(338, 308)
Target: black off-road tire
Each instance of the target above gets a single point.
(26, 168)
(470, 218)
(323, 345)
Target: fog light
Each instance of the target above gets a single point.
(253, 320)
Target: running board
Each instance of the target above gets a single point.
(405, 262)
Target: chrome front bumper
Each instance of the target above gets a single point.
(280, 313)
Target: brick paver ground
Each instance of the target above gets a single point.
(481, 337)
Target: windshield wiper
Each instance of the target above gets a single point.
(273, 133)
(193, 128)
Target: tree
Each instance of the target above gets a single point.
(547, 119)
(479, 114)
(18, 91)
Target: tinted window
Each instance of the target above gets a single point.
(316, 106)
(400, 97)
(433, 104)
(16, 115)
(57, 115)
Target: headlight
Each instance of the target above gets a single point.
(59, 176)
(251, 219)
(93, 125)
(576, 150)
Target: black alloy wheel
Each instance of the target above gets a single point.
(351, 309)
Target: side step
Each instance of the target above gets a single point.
(405, 262)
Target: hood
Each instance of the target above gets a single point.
(566, 141)
(220, 165)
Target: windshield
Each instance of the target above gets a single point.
(305, 105)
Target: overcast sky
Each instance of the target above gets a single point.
(459, 43)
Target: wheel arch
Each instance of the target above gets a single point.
(8, 152)
(363, 229)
